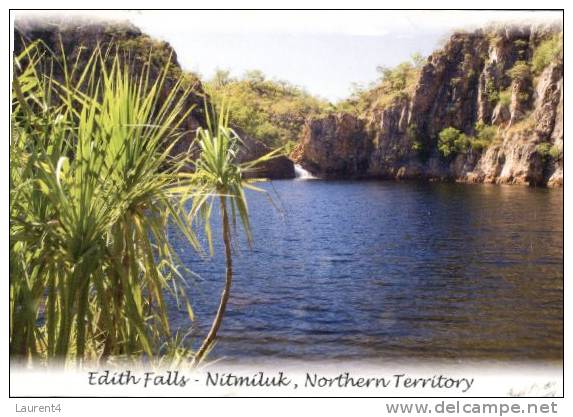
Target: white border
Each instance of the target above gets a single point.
(253, 407)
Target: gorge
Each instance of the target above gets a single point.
(341, 268)
(481, 80)
(504, 80)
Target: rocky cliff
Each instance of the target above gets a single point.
(506, 81)
(77, 37)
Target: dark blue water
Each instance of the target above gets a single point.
(373, 270)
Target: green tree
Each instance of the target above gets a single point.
(392, 84)
(221, 78)
(254, 77)
(451, 141)
(272, 111)
(520, 71)
(418, 60)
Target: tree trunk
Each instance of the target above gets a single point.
(211, 336)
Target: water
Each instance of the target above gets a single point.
(376, 270)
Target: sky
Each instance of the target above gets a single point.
(324, 52)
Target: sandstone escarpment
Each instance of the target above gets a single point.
(75, 38)
(72, 40)
(479, 79)
(336, 146)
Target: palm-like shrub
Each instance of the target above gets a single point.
(220, 179)
(92, 190)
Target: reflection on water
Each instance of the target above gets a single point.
(369, 270)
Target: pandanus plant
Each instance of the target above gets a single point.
(221, 179)
(93, 188)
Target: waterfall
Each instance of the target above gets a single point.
(302, 174)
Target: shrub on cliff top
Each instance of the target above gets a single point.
(396, 79)
(272, 111)
(548, 51)
(392, 83)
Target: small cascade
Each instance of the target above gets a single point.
(302, 174)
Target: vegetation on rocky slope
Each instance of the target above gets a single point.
(271, 111)
(549, 50)
(76, 38)
(497, 89)
(492, 84)
(392, 83)
(451, 141)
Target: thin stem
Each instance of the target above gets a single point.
(211, 336)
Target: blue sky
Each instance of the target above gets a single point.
(324, 64)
